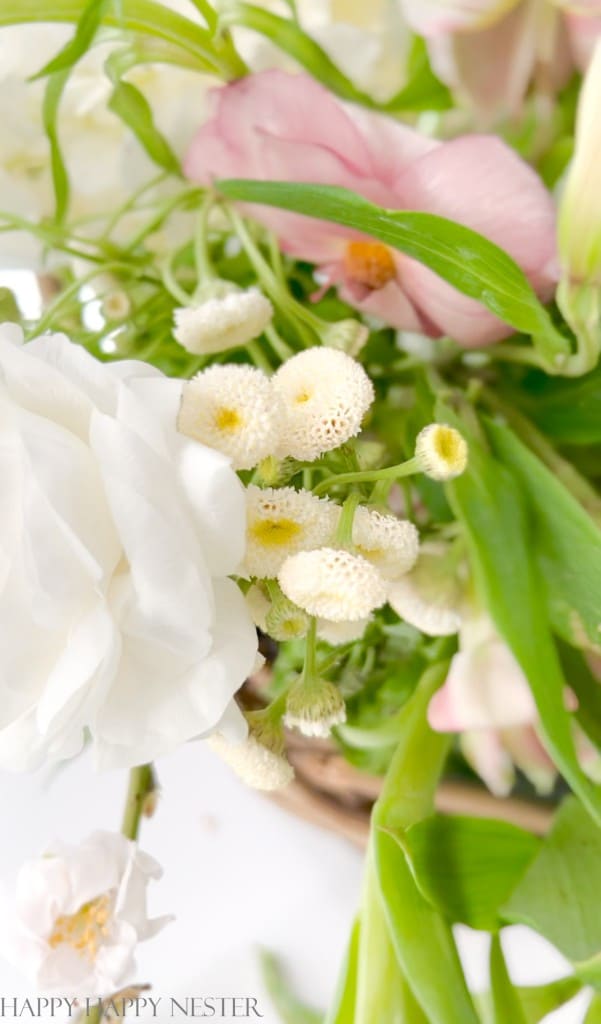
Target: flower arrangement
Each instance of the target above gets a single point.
(300, 444)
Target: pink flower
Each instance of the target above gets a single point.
(491, 51)
(279, 126)
(486, 698)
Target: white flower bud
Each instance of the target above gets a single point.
(314, 708)
(336, 633)
(232, 409)
(260, 760)
(228, 319)
(392, 544)
(349, 336)
(285, 620)
(116, 305)
(325, 395)
(333, 584)
(442, 451)
(281, 523)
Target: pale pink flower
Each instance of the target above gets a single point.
(491, 51)
(486, 698)
(279, 126)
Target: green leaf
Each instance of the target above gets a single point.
(505, 1001)
(462, 257)
(490, 504)
(468, 867)
(558, 894)
(537, 1001)
(422, 939)
(566, 540)
(60, 178)
(290, 1010)
(9, 307)
(423, 90)
(342, 1010)
(86, 29)
(594, 1011)
(135, 111)
(568, 411)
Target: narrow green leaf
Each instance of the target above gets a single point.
(342, 1010)
(468, 867)
(594, 1011)
(423, 90)
(86, 29)
(9, 307)
(422, 939)
(467, 260)
(135, 111)
(537, 1001)
(505, 1001)
(568, 411)
(557, 895)
(490, 504)
(566, 540)
(60, 178)
(290, 1010)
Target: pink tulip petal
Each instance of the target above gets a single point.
(584, 31)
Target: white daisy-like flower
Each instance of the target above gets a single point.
(223, 321)
(260, 761)
(258, 605)
(281, 522)
(285, 620)
(336, 633)
(442, 451)
(325, 395)
(333, 584)
(430, 596)
(314, 708)
(232, 409)
(392, 544)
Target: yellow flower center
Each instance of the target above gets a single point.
(275, 532)
(227, 420)
(448, 444)
(302, 397)
(85, 930)
(369, 263)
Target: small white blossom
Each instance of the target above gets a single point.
(333, 584)
(281, 523)
(285, 620)
(336, 633)
(442, 451)
(325, 395)
(232, 409)
(260, 760)
(77, 915)
(392, 544)
(431, 595)
(223, 321)
(314, 708)
(116, 305)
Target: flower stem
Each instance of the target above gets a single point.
(142, 783)
(363, 476)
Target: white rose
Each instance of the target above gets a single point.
(77, 915)
(117, 535)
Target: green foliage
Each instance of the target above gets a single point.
(60, 178)
(490, 503)
(506, 1003)
(558, 894)
(568, 411)
(290, 1010)
(85, 31)
(468, 867)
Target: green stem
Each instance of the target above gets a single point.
(259, 358)
(204, 267)
(363, 476)
(309, 668)
(141, 784)
(344, 532)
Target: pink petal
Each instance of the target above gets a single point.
(437, 17)
(583, 32)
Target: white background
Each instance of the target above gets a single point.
(239, 874)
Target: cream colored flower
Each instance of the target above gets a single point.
(232, 409)
(260, 761)
(78, 914)
(431, 595)
(223, 321)
(336, 633)
(333, 584)
(325, 395)
(314, 708)
(281, 523)
(442, 451)
(392, 544)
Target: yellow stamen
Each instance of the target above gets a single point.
(369, 263)
(228, 420)
(275, 532)
(448, 444)
(85, 930)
